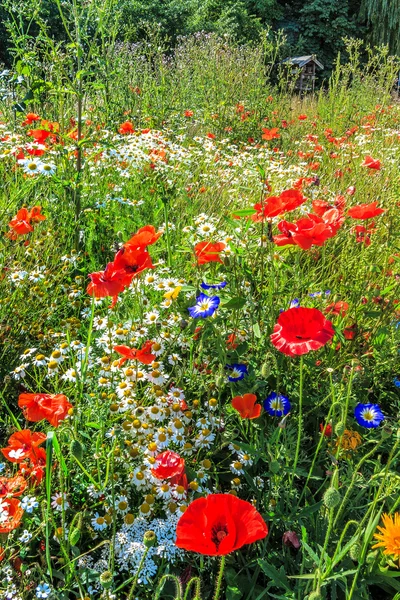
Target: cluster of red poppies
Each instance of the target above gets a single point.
(129, 261)
(24, 449)
(21, 224)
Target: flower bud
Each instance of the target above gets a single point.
(340, 428)
(331, 497)
(77, 449)
(355, 551)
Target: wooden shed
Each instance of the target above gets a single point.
(305, 67)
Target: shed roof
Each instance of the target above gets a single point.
(300, 61)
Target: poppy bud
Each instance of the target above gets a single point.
(355, 551)
(331, 497)
(340, 428)
(265, 370)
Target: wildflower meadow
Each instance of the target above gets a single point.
(199, 319)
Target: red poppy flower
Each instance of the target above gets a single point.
(35, 214)
(326, 429)
(337, 308)
(305, 232)
(302, 117)
(21, 222)
(34, 470)
(11, 514)
(365, 211)
(23, 444)
(246, 406)
(133, 261)
(126, 128)
(350, 332)
(290, 538)
(169, 466)
(372, 163)
(41, 135)
(218, 525)
(52, 407)
(300, 330)
(208, 252)
(278, 205)
(145, 236)
(270, 134)
(188, 113)
(12, 486)
(143, 355)
(109, 282)
(30, 118)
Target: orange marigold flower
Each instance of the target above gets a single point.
(389, 536)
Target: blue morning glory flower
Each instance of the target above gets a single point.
(204, 307)
(237, 372)
(277, 405)
(368, 415)
(215, 286)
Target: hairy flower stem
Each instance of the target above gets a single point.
(219, 579)
(300, 428)
(195, 581)
(166, 215)
(160, 586)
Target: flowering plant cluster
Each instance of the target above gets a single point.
(200, 366)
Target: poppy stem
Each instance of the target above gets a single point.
(300, 429)
(219, 578)
(166, 216)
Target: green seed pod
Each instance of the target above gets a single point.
(77, 449)
(106, 579)
(331, 497)
(149, 539)
(339, 429)
(355, 551)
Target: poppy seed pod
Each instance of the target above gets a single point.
(149, 539)
(106, 579)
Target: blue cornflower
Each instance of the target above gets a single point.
(43, 590)
(214, 286)
(277, 405)
(2, 467)
(396, 382)
(237, 372)
(204, 307)
(368, 415)
(295, 303)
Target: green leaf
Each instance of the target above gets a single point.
(93, 425)
(244, 212)
(278, 577)
(237, 302)
(256, 330)
(233, 593)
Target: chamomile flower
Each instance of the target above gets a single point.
(98, 522)
(59, 502)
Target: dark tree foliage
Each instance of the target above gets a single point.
(311, 26)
